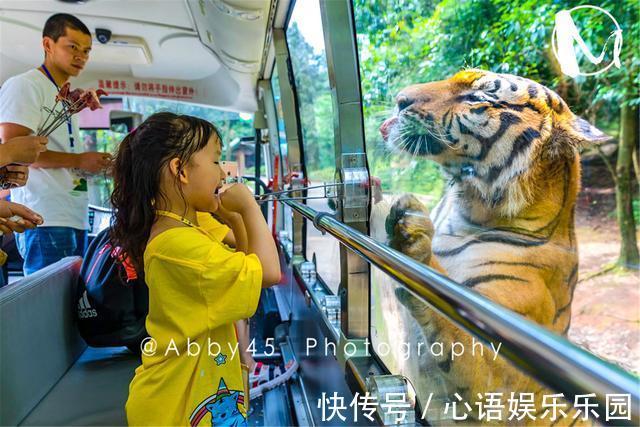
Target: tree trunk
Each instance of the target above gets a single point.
(629, 257)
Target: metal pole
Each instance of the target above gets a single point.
(350, 154)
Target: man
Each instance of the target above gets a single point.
(55, 188)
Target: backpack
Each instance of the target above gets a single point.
(112, 299)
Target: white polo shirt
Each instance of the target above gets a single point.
(58, 194)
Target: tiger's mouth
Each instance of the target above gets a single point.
(407, 134)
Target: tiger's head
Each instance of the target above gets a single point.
(489, 132)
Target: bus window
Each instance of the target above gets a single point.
(283, 163)
(104, 141)
(231, 125)
(406, 42)
(306, 46)
(282, 137)
(233, 128)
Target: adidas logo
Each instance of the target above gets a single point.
(84, 308)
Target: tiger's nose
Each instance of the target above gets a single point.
(406, 99)
(403, 102)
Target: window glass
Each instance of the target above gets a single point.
(306, 47)
(283, 159)
(104, 141)
(484, 142)
(282, 137)
(231, 125)
(236, 131)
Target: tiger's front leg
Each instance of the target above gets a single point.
(410, 230)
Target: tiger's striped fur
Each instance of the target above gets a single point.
(505, 225)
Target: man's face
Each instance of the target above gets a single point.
(70, 53)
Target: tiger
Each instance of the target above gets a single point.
(508, 148)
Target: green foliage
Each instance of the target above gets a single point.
(421, 43)
(229, 124)
(403, 42)
(104, 141)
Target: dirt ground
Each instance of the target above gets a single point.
(606, 308)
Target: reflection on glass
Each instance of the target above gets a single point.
(282, 137)
(306, 47)
(282, 159)
(406, 42)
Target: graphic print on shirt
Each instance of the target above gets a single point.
(220, 359)
(223, 406)
(80, 184)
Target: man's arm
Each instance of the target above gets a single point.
(91, 162)
(56, 159)
(47, 159)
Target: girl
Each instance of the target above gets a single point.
(166, 172)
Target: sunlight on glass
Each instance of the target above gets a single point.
(306, 47)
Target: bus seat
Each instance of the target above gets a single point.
(38, 339)
(93, 392)
(42, 377)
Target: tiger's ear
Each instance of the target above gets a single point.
(584, 133)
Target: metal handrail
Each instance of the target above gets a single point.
(550, 359)
(101, 209)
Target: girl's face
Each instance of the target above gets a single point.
(204, 177)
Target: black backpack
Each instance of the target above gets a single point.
(112, 300)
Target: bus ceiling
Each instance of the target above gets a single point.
(205, 52)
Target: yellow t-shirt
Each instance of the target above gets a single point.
(212, 226)
(197, 288)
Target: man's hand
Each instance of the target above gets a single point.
(22, 149)
(93, 162)
(30, 219)
(12, 176)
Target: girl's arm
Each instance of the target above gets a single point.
(230, 239)
(262, 244)
(239, 199)
(237, 237)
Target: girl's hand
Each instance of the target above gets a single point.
(226, 215)
(237, 198)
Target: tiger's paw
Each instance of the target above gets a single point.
(409, 228)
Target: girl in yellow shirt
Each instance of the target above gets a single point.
(165, 172)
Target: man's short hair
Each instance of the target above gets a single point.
(56, 26)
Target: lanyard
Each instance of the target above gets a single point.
(69, 125)
(177, 217)
(183, 220)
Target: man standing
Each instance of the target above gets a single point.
(55, 188)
